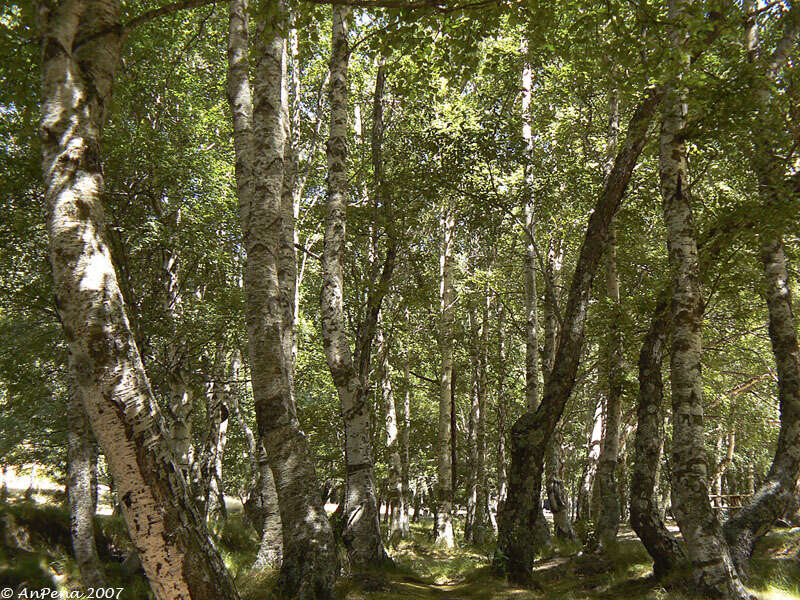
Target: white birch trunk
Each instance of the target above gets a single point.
(361, 534)
(80, 53)
(713, 568)
(398, 528)
(776, 493)
(81, 479)
(309, 563)
(444, 484)
(608, 514)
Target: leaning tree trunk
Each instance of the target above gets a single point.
(713, 568)
(541, 534)
(80, 53)
(309, 562)
(648, 445)
(361, 534)
(444, 483)
(531, 434)
(776, 493)
(81, 473)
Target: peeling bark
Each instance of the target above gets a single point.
(80, 54)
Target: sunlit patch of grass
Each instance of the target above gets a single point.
(258, 584)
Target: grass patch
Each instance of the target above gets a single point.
(35, 552)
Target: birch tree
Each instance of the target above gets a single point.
(712, 565)
(648, 445)
(444, 483)
(81, 487)
(774, 496)
(361, 535)
(532, 432)
(80, 53)
(309, 563)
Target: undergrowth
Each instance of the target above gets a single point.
(35, 553)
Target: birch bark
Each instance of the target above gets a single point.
(648, 445)
(309, 562)
(502, 404)
(608, 515)
(554, 467)
(444, 485)
(713, 568)
(399, 523)
(80, 53)
(81, 478)
(774, 496)
(361, 534)
(542, 531)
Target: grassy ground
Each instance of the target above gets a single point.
(35, 552)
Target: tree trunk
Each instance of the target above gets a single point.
(773, 497)
(775, 494)
(180, 395)
(481, 496)
(265, 515)
(290, 207)
(207, 465)
(81, 471)
(608, 514)
(361, 534)
(405, 430)
(399, 522)
(261, 508)
(309, 555)
(80, 53)
(554, 468)
(531, 317)
(532, 432)
(556, 495)
(542, 530)
(472, 429)
(583, 510)
(712, 566)
(444, 487)
(649, 442)
(502, 404)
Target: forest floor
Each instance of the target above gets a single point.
(35, 553)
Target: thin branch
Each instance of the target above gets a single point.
(154, 13)
(307, 251)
